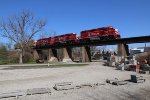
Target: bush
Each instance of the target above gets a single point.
(13, 57)
(3, 55)
(28, 57)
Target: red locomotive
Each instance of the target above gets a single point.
(65, 38)
(42, 42)
(104, 33)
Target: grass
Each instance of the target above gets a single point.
(66, 65)
(34, 62)
(58, 65)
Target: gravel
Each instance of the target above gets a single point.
(95, 72)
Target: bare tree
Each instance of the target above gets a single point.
(46, 34)
(21, 28)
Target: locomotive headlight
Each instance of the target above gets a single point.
(116, 30)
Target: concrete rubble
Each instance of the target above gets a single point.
(67, 60)
(145, 69)
(38, 91)
(122, 63)
(116, 82)
(12, 94)
(25, 92)
(134, 79)
(64, 86)
(70, 85)
(121, 66)
(57, 87)
(86, 85)
(137, 79)
(70, 88)
(53, 59)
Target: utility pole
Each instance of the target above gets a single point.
(145, 44)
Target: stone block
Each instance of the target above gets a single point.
(63, 83)
(147, 72)
(53, 59)
(67, 60)
(64, 86)
(112, 64)
(86, 85)
(119, 83)
(38, 91)
(12, 94)
(116, 82)
(134, 62)
(137, 79)
(120, 67)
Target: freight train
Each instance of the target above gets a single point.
(98, 34)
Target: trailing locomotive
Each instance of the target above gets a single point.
(65, 38)
(104, 33)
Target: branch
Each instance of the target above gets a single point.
(37, 27)
(6, 32)
(21, 28)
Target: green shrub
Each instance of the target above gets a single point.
(3, 55)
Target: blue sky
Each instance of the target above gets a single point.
(131, 17)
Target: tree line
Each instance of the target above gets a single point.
(20, 29)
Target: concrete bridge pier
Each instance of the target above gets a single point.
(123, 51)
(52, 55)
(85, 54)
(67, 55)
(36, 54)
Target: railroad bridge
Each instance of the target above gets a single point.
(122, 43)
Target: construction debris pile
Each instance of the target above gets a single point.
(134, 63)
(134, 79)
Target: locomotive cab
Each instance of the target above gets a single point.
(117, 33)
